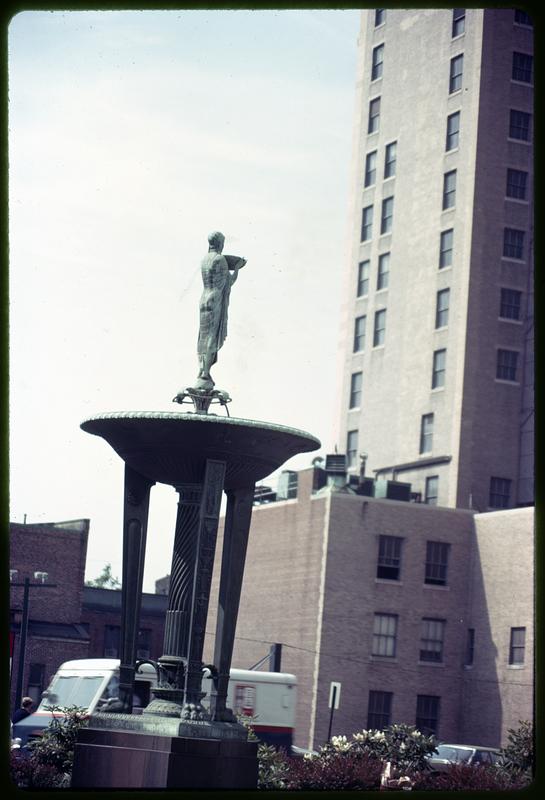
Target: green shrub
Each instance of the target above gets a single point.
(467, 777)
(55, 747)
(518, 757)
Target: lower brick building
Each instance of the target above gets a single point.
(423, 614)
(67, 620)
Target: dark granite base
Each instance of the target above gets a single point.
(129, 760)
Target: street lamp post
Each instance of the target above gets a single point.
(27, 585)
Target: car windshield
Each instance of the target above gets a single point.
(71, 690)
(449, 753)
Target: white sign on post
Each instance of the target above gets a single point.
(334, 695)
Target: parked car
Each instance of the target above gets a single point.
(447, 754)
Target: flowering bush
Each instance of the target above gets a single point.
(335, 769)
(26, 773)
(465, 777)
(518, 757)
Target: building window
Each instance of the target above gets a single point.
(439, 369)
(374, 115)
(500, 489)
(437, 554)
(517, 643)
(366, 223)
(458, 21)
(456, 72)
(389, 557)
(519, 125)
(379, 710)
(378, 59)
(506, 365)
(522, 67)
(432, 488)
(380, 16)
(363, 278)
(449, 189)
(522, 18)
(387, 215)
(426, 433)
(427, 714)
(351, 448)
(390, 158)
(516, 184)
(513, 243)
(359, 334)
(384, 635)
(380, 327)
(370, 168)
(470, 647)
(453, 130)
(445, 248)
(111, 641)
(510, 303)
(355, 389)
(383, 271)
(442, 308)
(431, 640)
(35, 685)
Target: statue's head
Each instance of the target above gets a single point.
(216, 240)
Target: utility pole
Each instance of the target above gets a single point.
(27, 585)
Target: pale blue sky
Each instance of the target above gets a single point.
(132, 135)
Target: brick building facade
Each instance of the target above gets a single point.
(67, 620)
(403, 603)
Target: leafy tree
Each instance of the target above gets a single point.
(518, 757)
(105, 580)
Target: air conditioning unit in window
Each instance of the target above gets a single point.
(392, 490)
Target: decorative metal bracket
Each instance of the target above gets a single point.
(203, 398)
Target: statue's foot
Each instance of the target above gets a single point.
(205, 383)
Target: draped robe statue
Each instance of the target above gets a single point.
(219, 272)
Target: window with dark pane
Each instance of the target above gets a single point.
(449, 189)
(506, 365)
(380, 16)
(377, 62)
(445, 248)
(522, 18)
(359, 333)
(519, 125)
(432, 490)
(427, 714)
(426, 433)
(383, 271)
(431, 640)
(523, 67)
(513, 243)
(363, 278)
(379, 331)
(379, 710)
(387, 215)
(510, 303)
(458, 21)
(389, 557)
(442, 308)
(370, 168)
(351, 448)
(111, 641)
(453, 130)
(356, 382)
(517, 181)
(517, 645)
(390, 158)
(366, 223)
(456, 73)
(374, 115)
(500, 490)
(470, 647)
(439, 369)
(437, 555)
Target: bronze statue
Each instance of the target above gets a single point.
(219, 273)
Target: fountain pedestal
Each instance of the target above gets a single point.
(201, 457)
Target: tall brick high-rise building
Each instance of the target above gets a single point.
(437, 321)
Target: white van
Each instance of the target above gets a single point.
(269, 698)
